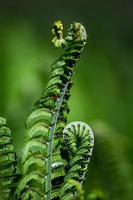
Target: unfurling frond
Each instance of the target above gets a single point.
(78, 144)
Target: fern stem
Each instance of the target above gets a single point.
(50, 144)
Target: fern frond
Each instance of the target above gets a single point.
(8, 160)
(79, 142)
(44, 125)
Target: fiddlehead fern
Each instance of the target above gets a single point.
(79, 141)
(7, 160)
(44, 165)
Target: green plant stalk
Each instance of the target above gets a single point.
(50, 144)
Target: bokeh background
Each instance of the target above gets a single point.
(103, 81)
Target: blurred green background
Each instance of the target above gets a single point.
(104, 77)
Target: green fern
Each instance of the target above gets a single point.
(55, 156)
(49, 169)
(79, 141)
(7, 161)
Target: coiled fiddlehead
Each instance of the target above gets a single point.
(7, 160)
(46, 166)
(79, 141)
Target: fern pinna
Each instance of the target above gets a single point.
(55, 158)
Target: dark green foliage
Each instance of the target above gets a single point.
(7, 160)
(97, 195)
(110, 171)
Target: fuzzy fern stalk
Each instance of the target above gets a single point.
(7, 161)
(55, 156)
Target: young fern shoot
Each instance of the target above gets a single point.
(50, 164)
(79, 142)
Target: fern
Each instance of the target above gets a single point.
(55, 156)
(50, 167)
(79, 141)
(7, 160)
